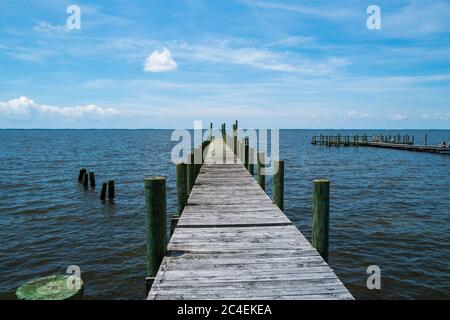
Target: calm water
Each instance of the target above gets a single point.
(388, 207)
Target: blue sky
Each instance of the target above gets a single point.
(282, 64)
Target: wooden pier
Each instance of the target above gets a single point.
(233, 242)
(377, 142)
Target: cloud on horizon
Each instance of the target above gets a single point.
(23, 108)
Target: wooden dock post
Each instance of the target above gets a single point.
(260, 169)
(85, 180)
(81, 174)
(321, 212)
(197, 162)
(103, 192)
(235, 138)
(246, 153)
(155, 199)
(92, 179)
(181, 186)
(111, 191)
(251, 165)
(202, 148)
(224, 132)
(278, 184)
(190, 173)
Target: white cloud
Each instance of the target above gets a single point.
(78, 111)
(24, 108)
(355, 115)
(399, 117)
(418, 18)
(46, 28)
(17, 108)
(262, 58)
(292, 41)
(160, 61)
(335, 12)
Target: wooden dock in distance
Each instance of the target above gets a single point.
(365, 141)
(233, 242)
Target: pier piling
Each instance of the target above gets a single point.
(111, 191)
(103, 192)
(320, 220)
(197, 162)
(251, 164)
(92, 179)
(260, 170)
(155, 198)
(81, 175)
(85, 180)
(246, 153)
(190, 170)
(181, 187)
(278, 184)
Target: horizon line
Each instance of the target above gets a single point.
(219, 128)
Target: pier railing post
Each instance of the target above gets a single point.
(251, 164)
(190, 170)
(278, 184)
(197, 162)
(181, 186)
(260, 169)
(210, 131)
(246, 153)
(155, 198)
(320, 220)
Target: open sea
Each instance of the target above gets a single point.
(389, 208)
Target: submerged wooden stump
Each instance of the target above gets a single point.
(49, 288)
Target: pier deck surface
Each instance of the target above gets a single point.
(232, 242)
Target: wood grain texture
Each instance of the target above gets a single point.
(233, 242)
